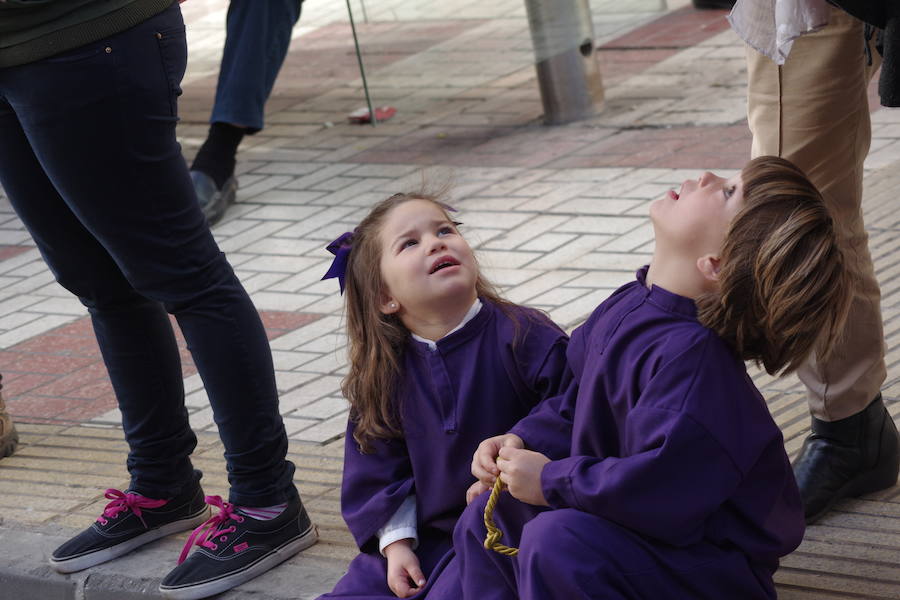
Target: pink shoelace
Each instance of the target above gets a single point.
(205, 535)
(122, 502)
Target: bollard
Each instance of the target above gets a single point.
(568, 74)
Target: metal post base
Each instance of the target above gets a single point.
(565, 58)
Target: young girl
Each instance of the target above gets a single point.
(664, 473)
(438, 361)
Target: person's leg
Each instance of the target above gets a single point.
(132, 192)
(258, 34)
(9, 437)
(141, 355)
(134, 334)
(813, 110)
(485, 574)
(567, 554)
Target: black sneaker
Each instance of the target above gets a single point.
(130, 521)
(235, 548)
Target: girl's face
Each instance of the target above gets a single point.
(694, 221)
(425, 262)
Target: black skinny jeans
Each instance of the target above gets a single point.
(89, 159)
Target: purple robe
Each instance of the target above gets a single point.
(479, 381)
(668, 478)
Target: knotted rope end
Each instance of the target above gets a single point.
(492, 540)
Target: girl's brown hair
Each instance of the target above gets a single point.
(376, 340)
(784, 291)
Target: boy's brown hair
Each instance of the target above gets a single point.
(376, 340)
(784, 291)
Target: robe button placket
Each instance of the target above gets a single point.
(444, 392)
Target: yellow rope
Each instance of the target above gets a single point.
(492, 541)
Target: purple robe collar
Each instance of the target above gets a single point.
(473, 310)
(673, 303)
(472, 328)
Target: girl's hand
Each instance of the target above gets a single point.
(521, 470)
(484, 462)
(475, 490)
(404, 576)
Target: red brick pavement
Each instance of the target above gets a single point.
(678, 29)
(720, 147)
(512, 136)
(645, 46)
(10, 251)
(325, 59)
(59, 377)
(519, 140)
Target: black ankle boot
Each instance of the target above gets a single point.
(847, 458)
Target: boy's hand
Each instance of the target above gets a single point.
(521, 470)
(403, 566)
(475, 490)
(484, 462)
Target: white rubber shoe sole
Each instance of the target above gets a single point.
(90, 559)
(226, 582)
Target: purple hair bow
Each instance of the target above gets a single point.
(341, 249)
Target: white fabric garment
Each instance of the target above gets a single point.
(771, 26)
(401, 526)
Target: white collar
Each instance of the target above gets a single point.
(432, 344)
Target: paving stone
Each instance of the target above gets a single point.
(324, 408)
(323, 431)
(563, 256)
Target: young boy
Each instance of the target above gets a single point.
(660, 473)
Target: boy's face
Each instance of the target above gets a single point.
(693, 222)
(424, 260)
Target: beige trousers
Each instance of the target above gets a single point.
(813, 111)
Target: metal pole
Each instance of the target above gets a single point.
(362, 70)
(362, 4)
(568, 74)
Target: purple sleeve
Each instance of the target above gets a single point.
(666, 490)
(683, 451)
(374, 486)
(543, 359)
(548, 428)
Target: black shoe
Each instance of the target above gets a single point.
(235, 548)
(847, 458)
(713, 4)
(130, 521)
(213, 201)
